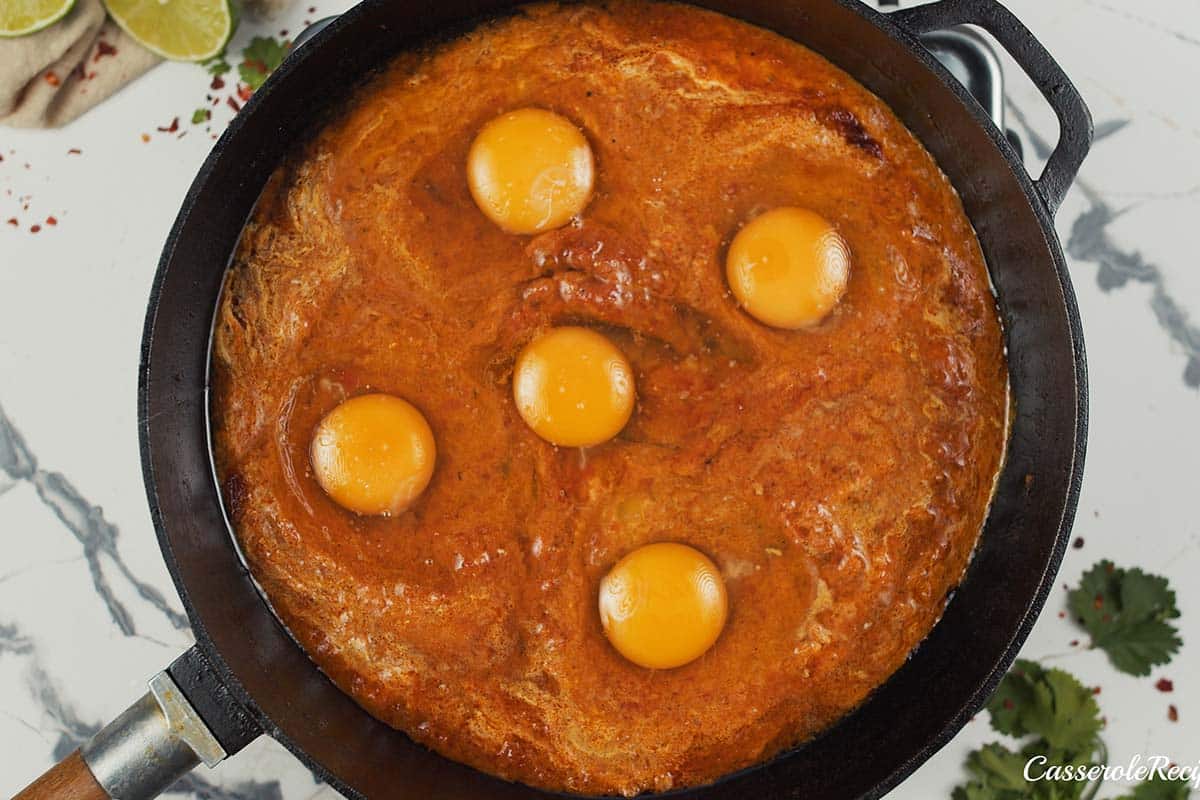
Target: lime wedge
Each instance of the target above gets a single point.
(181, 30)
(19, 17)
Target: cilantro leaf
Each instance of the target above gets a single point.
(1126, 611)
(259, 59)
(200, 115)
(217, 65)
(998, 774)
(1050, 704)
(1157, 787)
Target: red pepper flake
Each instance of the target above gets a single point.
(34, 228)
(174, 126)
(283, 33)
(145, 138)
(1095, 690)
(1, 158)
(1078, 543)
(1164, 685)
(74, 151)
(217, 83)
(1062, 615)
(312, 9)
(244, 92)
(103, 48)
(52, 79)
(233, 104)
(1008, 703)
(13, 221)
(1173, 713)
(1074, 643)
(51, 220)
(1098, 602)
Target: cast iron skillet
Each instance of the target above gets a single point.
(246, 676)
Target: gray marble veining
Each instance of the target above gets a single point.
(87, 524)
(1118, 265)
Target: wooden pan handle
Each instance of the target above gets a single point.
(69, 779)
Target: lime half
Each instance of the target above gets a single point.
(181, 30)
(19, 17)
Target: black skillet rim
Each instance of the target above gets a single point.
(1044, 217)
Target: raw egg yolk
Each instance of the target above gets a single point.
(373, 454)
(573, 387)
(788, 267)
(530, 171)
(663, 605)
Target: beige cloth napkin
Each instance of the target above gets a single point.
(51, 77)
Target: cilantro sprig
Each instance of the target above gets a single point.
(259, 59)
(1159, 788)
(1126, 613)
(1056, 717)
(1049, 703)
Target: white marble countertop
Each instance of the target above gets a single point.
(88, 612)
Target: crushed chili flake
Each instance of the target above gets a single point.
(13, 221)
(103, 48)
(217, 83)
(51, 220)
(34, 228)
(1074, 643)
(244, 91)
(174, 126)
(283, 33)
(1062, 615)
(1164, 685)
(1095, 690)
(233, 104)
(52, 79)
(1078, 543)
(312, 9)
(145, 137)
(1173, 713)
(74, 151)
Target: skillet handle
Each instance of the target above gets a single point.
(153, 743)
(69, 779)
(1074, 119)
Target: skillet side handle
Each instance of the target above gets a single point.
(69, 779)
(1074, 119)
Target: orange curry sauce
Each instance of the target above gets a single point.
(838, 475)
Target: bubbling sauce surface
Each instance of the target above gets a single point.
(837, 475)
